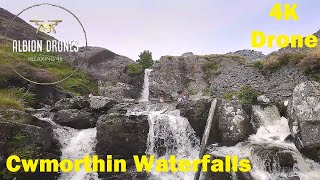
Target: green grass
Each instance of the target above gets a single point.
(246, 95)
(45, 72)
(14, 98)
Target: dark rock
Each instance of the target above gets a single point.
(19, 137)
(75, 118)
(196, 111)
(120, 135)
(48, 94)
(72, 103)
(276, 159)
(234, 123)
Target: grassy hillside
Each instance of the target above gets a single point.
(308, 62)
(79, 84)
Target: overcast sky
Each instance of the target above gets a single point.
(171, 27)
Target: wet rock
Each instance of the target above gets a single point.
(27, 137)
(196, 111)
(234, 123)
(72, 103)
(75, 118)
(275, 159)
(304, 111)
(122, 136)
(101, 103)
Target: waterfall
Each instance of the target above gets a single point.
(145, 91)
(75, 144)
(169, 134)
(262, 148)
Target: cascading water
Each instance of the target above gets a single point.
(145, 91)
(75, 144)
(266, 146)
(169, 134)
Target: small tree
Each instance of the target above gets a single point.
(145, 59)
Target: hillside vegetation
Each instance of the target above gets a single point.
(45, 72)
(308, 62)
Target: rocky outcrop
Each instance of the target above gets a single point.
(178, 73)
(249, 55)
(196, 111)
(27, 137)
(72, 103)
(304, 113)
(75, 118)
(109, 71)
(121, 135)
(234, 123)
(219, 74)
(101, 103)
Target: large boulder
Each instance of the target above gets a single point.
(75, 118)
(121, 136)
(304, 110)
(101, 103)
(78, 102)
(234, 123)
(27, 137)
(196, 111)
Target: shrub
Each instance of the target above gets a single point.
(258, 65)
(246, 95)
(229, 95)
(210, 68)
(271, 63)
(134, 69)
(207, 91)
(145, 59)
(310, 64)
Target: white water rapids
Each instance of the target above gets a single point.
(259, 149)
(75, 144)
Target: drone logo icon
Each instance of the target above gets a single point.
(46, 27)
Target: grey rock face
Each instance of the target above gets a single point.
(173, 74)
(277, 85)
(101, 103)
(234, 123)
(108, 69)
(304, 113)
(75, 118)
(250, 55)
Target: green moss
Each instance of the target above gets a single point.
(191, 90)
(246, 95)
(134, 69)
(207, 91)
(210, 69)
(229, 95)
(258, 65)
